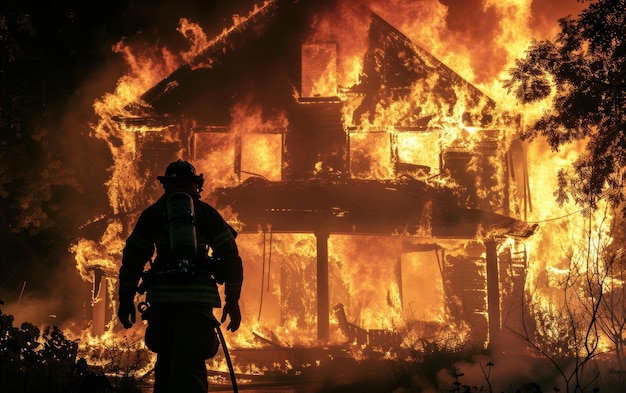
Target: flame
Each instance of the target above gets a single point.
(278, 299)
(195, 35)
(567, 224)
(260, 139)
(91, 255)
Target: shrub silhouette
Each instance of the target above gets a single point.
(34, 362)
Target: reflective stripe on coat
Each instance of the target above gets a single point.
(193, 290)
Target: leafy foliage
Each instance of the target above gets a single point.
(583, 71)
(32, 362)
(36, 361)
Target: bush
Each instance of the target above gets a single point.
(34, 362)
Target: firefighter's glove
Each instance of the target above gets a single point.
(126, 313)
(232, 310)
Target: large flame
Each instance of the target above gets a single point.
(278, 301)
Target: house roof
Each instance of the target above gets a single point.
(271, 36)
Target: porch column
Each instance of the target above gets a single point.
(493, 290)
(323, 297)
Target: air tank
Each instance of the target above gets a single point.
(181, 226)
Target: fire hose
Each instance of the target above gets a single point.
(228, 361)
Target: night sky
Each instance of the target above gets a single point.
(56, 60)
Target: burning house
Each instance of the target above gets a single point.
(370, 183)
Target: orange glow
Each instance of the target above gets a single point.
(427, 126)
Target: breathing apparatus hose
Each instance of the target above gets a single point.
(228, 361)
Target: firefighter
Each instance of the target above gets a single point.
(181, 285)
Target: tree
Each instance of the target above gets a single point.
(612, 310)
(583, 70)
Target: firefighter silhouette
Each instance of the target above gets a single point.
(195, 251)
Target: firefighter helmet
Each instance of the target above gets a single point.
(179, 170)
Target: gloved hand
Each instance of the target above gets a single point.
(126, 313)
(232, 309)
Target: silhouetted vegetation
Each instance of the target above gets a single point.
(583, 72)
(48, 361)
(32, 361)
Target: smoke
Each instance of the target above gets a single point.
(503, 371)
(61, 299)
